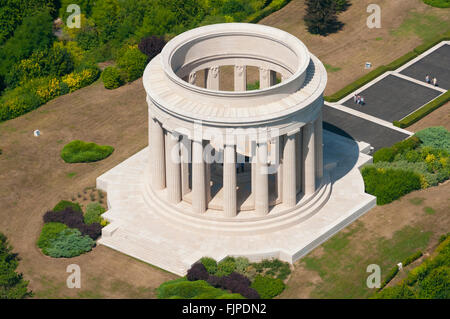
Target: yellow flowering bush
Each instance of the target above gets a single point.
(77, 80)
(49, 90)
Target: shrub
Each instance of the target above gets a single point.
(268, 287)
(396, 292)
(438, 3)
(391, 274)
(93, 213)
(242, 264)
(210, 265)
(436, 285)
(62, 205)
(436, 137)
(81, 152)
(181, 288)
(132, 62)
(112, 78)
(50, 231)
(12, 284)
(197, 272)
(226, 267)
(74, 219)
(69, 243)
(78, 80)
(151, 46)
(412, 258)
(389, 184)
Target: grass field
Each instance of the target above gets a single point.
(34, 178)
(385, 236)
(405, 24)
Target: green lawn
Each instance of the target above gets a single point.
(425, 27)
(342, 264)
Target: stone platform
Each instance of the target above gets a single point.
(154, 234)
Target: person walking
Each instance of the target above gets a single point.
(435, 82)
(358, 99)
(354, 98)
(427, 79)
(362, 100)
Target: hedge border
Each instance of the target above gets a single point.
(271, 8)
(423, 111)
(384, 68)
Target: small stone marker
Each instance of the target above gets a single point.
(400, 266)
(37, 133)
(368, 65)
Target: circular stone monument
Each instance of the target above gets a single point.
(233, 172)
(224, 159)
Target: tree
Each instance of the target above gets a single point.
(34, 34)
(12, 284)
(12, 13)
(321, 17)
(151, 46)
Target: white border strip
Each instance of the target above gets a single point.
(425, 84)
(395, 72)
(421, 56)
(368, 117)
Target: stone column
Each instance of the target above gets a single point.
(229, 181)
(208, 159)
(212, 78)
(309, 180)
(262, 181)
(240, 78)
(279, 179)
(157, 158)
(198, 178)
(289, 179)
(253, 178)
(264, 78)
(318, 134)
(298, 161)
(173, 168)
(185, 150)
(192, 77)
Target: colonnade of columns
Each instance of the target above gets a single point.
(300, 166)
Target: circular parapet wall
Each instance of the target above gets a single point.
(235, 156)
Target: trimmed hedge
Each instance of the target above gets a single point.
(82, 152)
(387, 154)
(268, 287)
(384, 68)
(438, 3)
(410, 259)
(423, 111)
(62, 205)
(356, 85)
(275, 5)
(389, 184)
(200, 289)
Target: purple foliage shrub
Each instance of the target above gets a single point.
(73, 219)
(197, 272)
